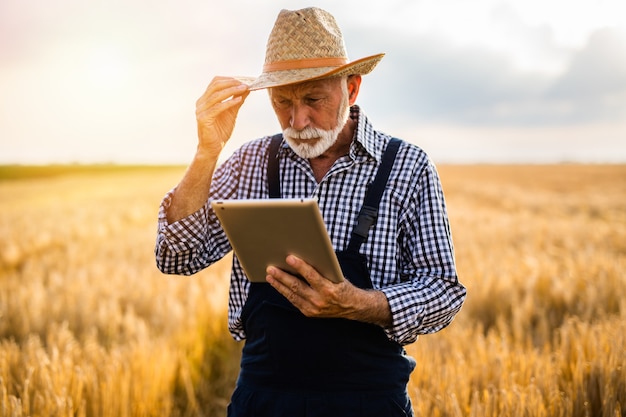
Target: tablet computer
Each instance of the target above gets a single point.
(263, 232)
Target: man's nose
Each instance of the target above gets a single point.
(299, 117)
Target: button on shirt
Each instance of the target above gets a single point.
(409, 248)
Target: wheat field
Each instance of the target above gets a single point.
(89, 327)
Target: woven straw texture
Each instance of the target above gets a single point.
(301, 34)
(301, 44)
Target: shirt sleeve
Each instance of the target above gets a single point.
(197, 241)
(182, 247)
(429, 294)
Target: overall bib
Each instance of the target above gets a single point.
(297, 366)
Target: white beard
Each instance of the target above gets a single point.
(324, 139)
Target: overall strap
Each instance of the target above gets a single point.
(369, 210)
(273, 174)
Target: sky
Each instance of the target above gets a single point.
(481, 81)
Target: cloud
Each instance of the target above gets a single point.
(432, 80)
(594, 85)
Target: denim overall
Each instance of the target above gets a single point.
(297, 366)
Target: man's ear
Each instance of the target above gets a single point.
(354, 83)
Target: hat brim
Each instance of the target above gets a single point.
(286, 77)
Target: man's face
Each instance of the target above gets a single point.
(311, 114)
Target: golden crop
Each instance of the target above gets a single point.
(89, 327)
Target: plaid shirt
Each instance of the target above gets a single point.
(409, 249)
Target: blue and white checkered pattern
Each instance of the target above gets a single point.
(409, 249)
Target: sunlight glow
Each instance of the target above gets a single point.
(108, 67)
(117, 81)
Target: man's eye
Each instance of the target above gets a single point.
(281, 103)
(312, 100)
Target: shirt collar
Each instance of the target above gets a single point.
(366, 141)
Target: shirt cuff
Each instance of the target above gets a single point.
(405, 313)
(184, 234)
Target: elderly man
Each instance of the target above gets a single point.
(315, 347)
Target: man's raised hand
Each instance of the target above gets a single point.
(216, 112)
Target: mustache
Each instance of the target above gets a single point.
(307, 133)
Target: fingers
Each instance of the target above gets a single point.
(289, 286)
(216, 112)
(223, 87)
(306, 271)
(309, 273)
(221, 93)
(314, 297)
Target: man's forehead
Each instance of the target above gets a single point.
(324, 84)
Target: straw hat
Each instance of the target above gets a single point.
(306, 45)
